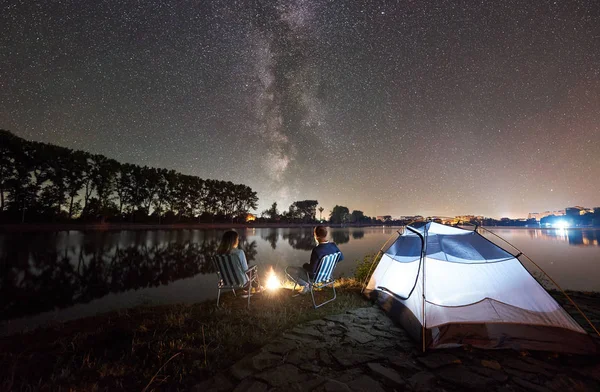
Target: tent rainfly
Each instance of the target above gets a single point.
(449, 286)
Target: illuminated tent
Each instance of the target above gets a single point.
(449, 286)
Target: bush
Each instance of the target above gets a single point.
(366, 266)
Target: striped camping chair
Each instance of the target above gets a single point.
(232, 276)
(323, 277)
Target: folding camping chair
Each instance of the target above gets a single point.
(322, 277)
(232, 276)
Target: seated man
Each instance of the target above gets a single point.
(323, 248)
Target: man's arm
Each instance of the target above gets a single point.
(341, 254)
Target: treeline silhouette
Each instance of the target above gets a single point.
(42, 182)
(35, 279)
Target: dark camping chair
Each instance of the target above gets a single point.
(322, 277)
(232, 276)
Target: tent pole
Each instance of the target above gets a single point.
(373, 263)
(423, 302)
(552, 280)
(424, 256)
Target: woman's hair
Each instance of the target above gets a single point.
(227, 242)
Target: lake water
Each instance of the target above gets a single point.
(57, 276)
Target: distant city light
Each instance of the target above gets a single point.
(561, 224)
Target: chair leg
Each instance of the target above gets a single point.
(329, 300)
(233, 290)
(258, 281)
(218, 297)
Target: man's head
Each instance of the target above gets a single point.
(321, 233)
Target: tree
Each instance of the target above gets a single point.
(306, 210)
(321, 209)
(245, 199)
(338, 214)
(48, 180)
(151, 180)
(357, 216)
(64, 178)
(211, 198)
(8, 145)
(272, 212)
(103, 178)
(75, 179)
(30, 173)
(88, 184)
(123, 179)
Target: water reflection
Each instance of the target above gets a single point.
(303, 240)
(41, 278)
(573, 236)
(271, 236)
(358, 234)
(341, 236)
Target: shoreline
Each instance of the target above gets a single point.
(16, 227)
(42, 227)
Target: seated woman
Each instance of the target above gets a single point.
(229, 245)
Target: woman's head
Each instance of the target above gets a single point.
(229, 241)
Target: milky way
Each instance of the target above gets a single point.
(390, 107)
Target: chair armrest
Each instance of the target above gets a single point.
(253, 268)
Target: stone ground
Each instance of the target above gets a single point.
(362, 350)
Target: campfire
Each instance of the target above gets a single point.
(272, 282)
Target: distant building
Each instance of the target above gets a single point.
(584, 210)
(574, 211)
(539, 215)
(445, 220)
(468, 218)
(412, 218)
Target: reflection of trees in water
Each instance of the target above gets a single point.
(340, 236)
(573, 237)
(357, 234)
(271, 236)
(304, 240)
(249, 249)
(40, 280)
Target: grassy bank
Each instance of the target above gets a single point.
(152, 346)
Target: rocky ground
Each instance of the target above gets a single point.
(362, 350)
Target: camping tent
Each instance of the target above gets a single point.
(449, 286)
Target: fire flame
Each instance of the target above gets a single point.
(272, 282)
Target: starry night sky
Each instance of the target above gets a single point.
(390, 107)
